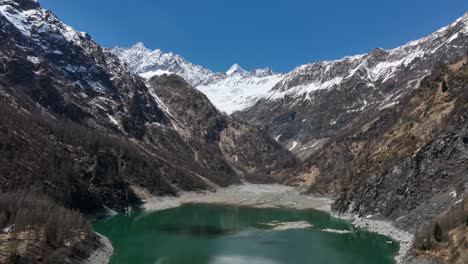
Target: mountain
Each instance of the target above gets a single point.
(406, 163)
(234, 90)
(385, 133)
(303, 108)
(148, 63)
(248, 150)
(315, 100)
(71, 106)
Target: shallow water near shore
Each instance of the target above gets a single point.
(224, 234)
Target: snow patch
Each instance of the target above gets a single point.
(33, 59)
(113, 120)
(453, 194)
(7, 229)
(236, 93)
(150, 74)
(293, 145)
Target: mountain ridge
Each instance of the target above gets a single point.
(278, 86)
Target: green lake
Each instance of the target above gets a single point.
(222, 234)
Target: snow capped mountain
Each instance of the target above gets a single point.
(240, 90)
(312, 102)
(165, 142)
(234, 90)
(148, 63)
(381, 77)
(376, 67)
(236, 69)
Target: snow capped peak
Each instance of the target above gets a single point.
(231, 91)
(379, 66)
(262, 72)
(236, 69)
(237, 88)
(34, 22)
(22, 4)
(148, 63)
(139, 45)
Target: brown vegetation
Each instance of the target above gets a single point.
(74, 165)
(36, 229)
(445, 238)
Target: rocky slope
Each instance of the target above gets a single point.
(406, 163)
(248, 150)
(115, 137)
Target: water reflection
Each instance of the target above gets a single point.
(205, 234)
(195, 230)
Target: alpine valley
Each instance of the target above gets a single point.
(87, 131)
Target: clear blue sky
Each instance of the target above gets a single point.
(258, 33)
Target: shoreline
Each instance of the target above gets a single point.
(103, 253)
(280, 196)
(251, 195)
(383, 227)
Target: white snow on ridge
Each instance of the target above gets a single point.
(237, 93)
(148, 75)
(371, 67)
(234, 90)
(34, 21)
(148, 63)
(237, 89)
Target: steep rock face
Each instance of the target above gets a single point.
(234, 90)
(251, 153)
(315, 100)
(407, 162)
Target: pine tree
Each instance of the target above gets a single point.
(444, 86)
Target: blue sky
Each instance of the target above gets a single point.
(258, 33)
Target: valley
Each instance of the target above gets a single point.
(135, 135)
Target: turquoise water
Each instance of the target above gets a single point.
(220, 234)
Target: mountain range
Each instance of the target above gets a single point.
(305, 106)
(100, 130)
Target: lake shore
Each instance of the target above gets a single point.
(280, 196)
(251, 195)
(103, 253)
(386, 228)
